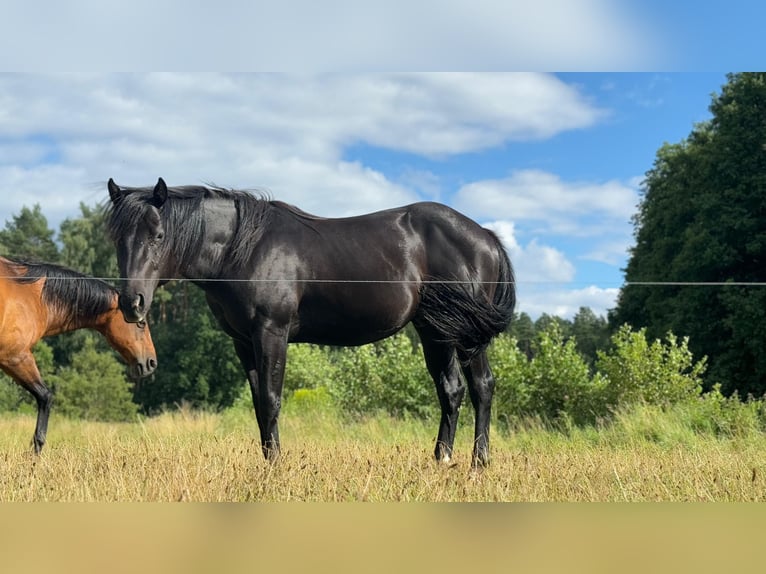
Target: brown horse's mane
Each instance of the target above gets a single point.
(71, 293)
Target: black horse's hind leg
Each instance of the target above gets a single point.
(444, 368)
(271, 354)
(481, 387)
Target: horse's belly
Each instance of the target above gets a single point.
(349, 325)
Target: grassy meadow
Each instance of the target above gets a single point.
(197, 456)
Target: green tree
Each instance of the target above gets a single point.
(27, 236)
(702, 219)
(657, 373)
(387, 376)
(94, 387)
(196, 360)
(591, 333)
(522, 329)
(84, 244)
(545, 322)
(12, 396)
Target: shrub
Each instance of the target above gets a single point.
(308, 367)
(386, 376)
(714, 413)
(12, 396)
(555, 386)
(512, 393)
(94, 387)
(657, 374)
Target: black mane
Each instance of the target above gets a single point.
(74, 294)
(183, 221)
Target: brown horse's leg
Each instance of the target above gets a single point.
(481, 387)
(444, 368)
(26, 374)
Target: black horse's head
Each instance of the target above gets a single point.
(136, 227)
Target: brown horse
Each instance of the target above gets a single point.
(39, 300)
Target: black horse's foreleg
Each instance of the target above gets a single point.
(271, 354)
(444, 368)
(481, 387)
(246, 356)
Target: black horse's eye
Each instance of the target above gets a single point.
(160, 236)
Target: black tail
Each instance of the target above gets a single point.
(462, 316)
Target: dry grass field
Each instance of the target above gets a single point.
(189, 456)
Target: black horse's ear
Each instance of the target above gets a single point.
(114, 191)
(160, 193)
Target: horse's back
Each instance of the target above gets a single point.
(21, 311)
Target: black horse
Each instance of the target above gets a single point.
(274, 274)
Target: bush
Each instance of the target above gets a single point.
(657, 374)
(554, 386)
(94, 387)
(15, 398)
(386, 376)
(512, 393)
(714, 413)
(308, 367)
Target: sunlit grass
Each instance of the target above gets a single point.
(198, 456)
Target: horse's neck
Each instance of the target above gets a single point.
(220, 224)
(64, 322)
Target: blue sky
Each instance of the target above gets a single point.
(552, 162)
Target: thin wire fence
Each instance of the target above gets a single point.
(433, 281)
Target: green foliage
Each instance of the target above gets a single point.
(12, 396)
(657, 373)
(311, 402)
(522, 329)
(386, 376)
(715, 414)
(560, 380)
(308, 367)
(94, 387)
(591, 333)
(28, 237)
(701, 219)
(554, 386)
(85, 247)
(196, 360)
(509, 366)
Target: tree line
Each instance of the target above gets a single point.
(700, 241)
(700, 235)
(198, 365)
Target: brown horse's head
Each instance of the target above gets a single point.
(132, 340)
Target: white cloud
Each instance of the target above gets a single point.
(286, 133)
(566, 302)
(544, 276)
(545, 199)
(611, 252)
(67, 134)
(533, 263)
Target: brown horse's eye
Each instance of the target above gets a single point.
(141, 324)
